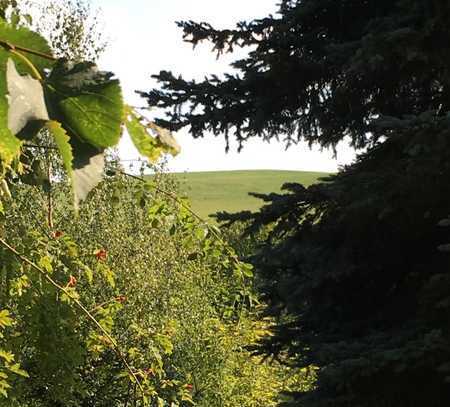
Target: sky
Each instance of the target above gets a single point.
(144, 39)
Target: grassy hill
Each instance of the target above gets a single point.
(211, 192)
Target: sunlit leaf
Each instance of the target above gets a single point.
(12, 36)
(151, 146)
(5, 319)
(144, 143)
(9, 144)
(8, 357)
(15, 368)
(166, 139)
(62, 141)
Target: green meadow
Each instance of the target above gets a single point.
(214, 191)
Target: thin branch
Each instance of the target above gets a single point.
(39, 146)
(49, 193)
(12, 47)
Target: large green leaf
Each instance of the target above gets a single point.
(15, 36)
(11, 37)
(87, 102)
(9, 144)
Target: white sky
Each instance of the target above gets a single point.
(143, 39)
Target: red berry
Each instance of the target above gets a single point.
(100, 254)
(149, 371)
(72, 282)
(57, 234)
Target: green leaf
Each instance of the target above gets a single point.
(246, 269)
(5, 193)
(15, 19)
(11, 36)
(144, 143)
(165, 343)
(89, 274)
(4, 386)
(62, 141)
(9, 144)
(87, 102)
(45, 263)
(148, 145)
(5, 319)
(8, 357)
(17, 370)
(108, 274)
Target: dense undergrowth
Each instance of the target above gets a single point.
(173, 296)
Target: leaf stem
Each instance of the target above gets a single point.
(34, 70)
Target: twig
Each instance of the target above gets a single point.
(39, 146)
(49, 193)
(12, 47)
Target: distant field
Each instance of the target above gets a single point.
(211, 192)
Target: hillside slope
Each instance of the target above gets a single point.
(215, 191)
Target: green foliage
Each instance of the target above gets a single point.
(62, 141)
(82, 113)
(7, 363)
(15, 36)
(169, 292)
(146, 147)
(150, 147)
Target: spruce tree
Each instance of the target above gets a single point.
(356, 268)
